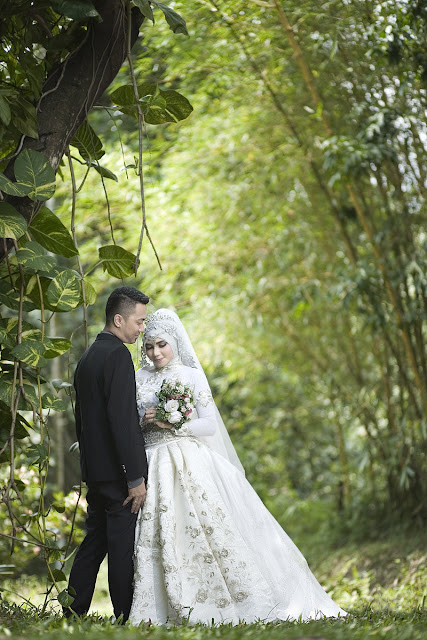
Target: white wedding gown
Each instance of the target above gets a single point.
(206, 547)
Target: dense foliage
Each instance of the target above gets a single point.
(289, 219)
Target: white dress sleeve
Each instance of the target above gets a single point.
(205, 422)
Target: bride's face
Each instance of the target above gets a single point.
(159, 352)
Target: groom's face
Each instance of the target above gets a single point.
(129, 327)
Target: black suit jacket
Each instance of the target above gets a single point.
(107, 422)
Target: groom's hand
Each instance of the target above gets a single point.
(137, 495)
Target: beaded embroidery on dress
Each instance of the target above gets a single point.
(206, 548)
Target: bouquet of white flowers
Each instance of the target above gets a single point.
(176, 403)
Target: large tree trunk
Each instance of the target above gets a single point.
(72, 89)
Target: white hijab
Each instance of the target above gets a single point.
(165, 324)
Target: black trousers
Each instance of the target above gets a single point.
(110, 530)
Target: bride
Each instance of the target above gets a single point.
(206, 548)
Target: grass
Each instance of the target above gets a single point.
(382, 583)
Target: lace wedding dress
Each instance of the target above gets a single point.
(206, 547)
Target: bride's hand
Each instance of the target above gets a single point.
(150, 418)
(163, 425)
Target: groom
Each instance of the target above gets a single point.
(112, 454)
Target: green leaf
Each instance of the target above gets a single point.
(10, 297)
(6, 382)
(65, 599)
(24, 118)
(117, 261)
(34, 170)
(30, 352)
(12, 224)
(9, 330)
(103, 171)
(57, 384)
(90, 293)
(33, 257)
(57, 574)
(56, 347)
(145, 9)
(175, 21)
(59, 508)
(38, 454)
(88, 143)
(63, 293)
(76, 9)
(157, 106)
(6, 422)
(49, 231)
(13, 188)
(177, 108)
(51, 401)
(5, 113)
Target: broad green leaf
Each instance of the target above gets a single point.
(33, 257)
(21, 424)
(12, 224)
(104, 172)
(177, 108)
(49, 231)
(9, 330)
(5, 114)
(24, 118)
(51, 401)
(65, 599)
(90, 293)
(157, 106)
(33, 170)
(37, 454)
(10, 296)
(76, 9)
(6, 382)
(57, 384)
(30, 352)
(57, 575)
(88, 143)
(175, 21)
(56, 347)
(117, 261)
(145, 9)
(63, 293)
(13, 188)
(59, 508)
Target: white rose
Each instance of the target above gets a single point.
(190, 407)
(175, 416)
(171, 405)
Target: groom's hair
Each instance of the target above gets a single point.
(123, 300)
